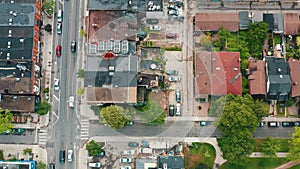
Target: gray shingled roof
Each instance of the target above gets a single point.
(275, 21)
(244, 20)
(278, 79)
(172, 162)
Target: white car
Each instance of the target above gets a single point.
(95, 165)
(174, 78)
(70, 155)
(155, 28)
(178, 109)
(173, 12)
(125, 160)
(125, 167)
(71, 101)
(128, 152)
(56, 84)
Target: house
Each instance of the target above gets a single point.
(217, 73)
(291, 24)
(257, 78)
(170, 162)
(215, 21)
(295, 77)
(20, 25)
(145, 163)
(275, 22)
(278, 79)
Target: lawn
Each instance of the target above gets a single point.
(295, 167)
(199, 153)
(258, 163)
(283, 144)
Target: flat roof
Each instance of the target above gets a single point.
(107, 4)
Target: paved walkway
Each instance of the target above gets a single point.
(259, 154)
(288, 165)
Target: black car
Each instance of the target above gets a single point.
(287, 124)
(73, 46)
(62, 154)
(133, 144)
(52, 166)
(171, 110)
(297, 123)
(204, 123)
(152, 21)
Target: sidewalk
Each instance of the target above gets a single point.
(288, 165)
(259, 154)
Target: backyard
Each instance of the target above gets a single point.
(258, 163)
(199, 156)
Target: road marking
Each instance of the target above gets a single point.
(57, 118)
(84, 129)
(56, 97)
(42, 137)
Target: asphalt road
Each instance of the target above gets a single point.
(64, 128)
(28, 138)
(180, 129)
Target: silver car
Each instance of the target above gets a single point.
(56, 84)
(59, 28)
(178, 109)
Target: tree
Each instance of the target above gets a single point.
(294, 152)
(41, 165)
(46, 90)
(80, 73)
(237, 143)
(270, 147)
(43, 108)
(82, 32)
(27, 150)
(80, 91)
(114, 116)
(206, 43)
(223, 35)
(154, 114)
(257, 34)
(93, 148)
(48, 7)
(5, 121)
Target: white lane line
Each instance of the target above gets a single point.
(57, 118)
(56, 97)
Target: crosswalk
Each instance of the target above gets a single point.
(42, 137)
(84, 131)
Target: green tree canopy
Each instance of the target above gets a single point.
(43, 108)
(223, 35)
(294, 152)
(41, 165)
(270, 147)
(240, 118)
(80, 73)
(48, 7)
(5, 120)
(93, 148)
(257, 34)
(114, 116)
(153, 113)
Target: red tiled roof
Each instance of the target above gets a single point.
(257, 77)
(295, 77)
(291, 23)
(218, 73)
(214, 21)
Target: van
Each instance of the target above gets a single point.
(62, 154)
(60, 16)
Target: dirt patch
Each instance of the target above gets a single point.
(190, 160)
(159, 97)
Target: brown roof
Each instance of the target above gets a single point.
(291, 23)
(214, 21)
(107, 25)
(97, 95)
(202, 70)
(24, 86)
(295, 77)
(257, 77)
(18, 104)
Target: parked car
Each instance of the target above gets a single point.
(178, 109)
(155, 28)
(130, 123)
(58, 50)
(171, 6)
(171, 110)
(204, 123)
(152, 21)
(273, 124)
(18, 131)
(125, 160)
(173, 12)
(125, 167)
(59, 28)
(297, 123)
(174, 78)
(51, 166)
(56, 84)
(128, 152)
(95, 165)
(70, 155)
(172, 72)
(73, 46)
(62, 154)
(178, 96)
(171, 35)
(287, 124)
(261, 124)
(101, 154)
(170, 1)
(133, 144)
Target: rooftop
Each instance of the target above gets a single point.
(215, 21)
(170, 162)
(294, 72)
(107, 5)
(275, 21)
(291, 23)
(257, 77)
(18, 103)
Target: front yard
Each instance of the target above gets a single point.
(258, 163)
(199, 156)
(284, 145)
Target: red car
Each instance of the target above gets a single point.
(171, 35)
(58, 50)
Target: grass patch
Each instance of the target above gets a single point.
(284, 144)
(295, 167)
(199, 153)
(257, 163)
